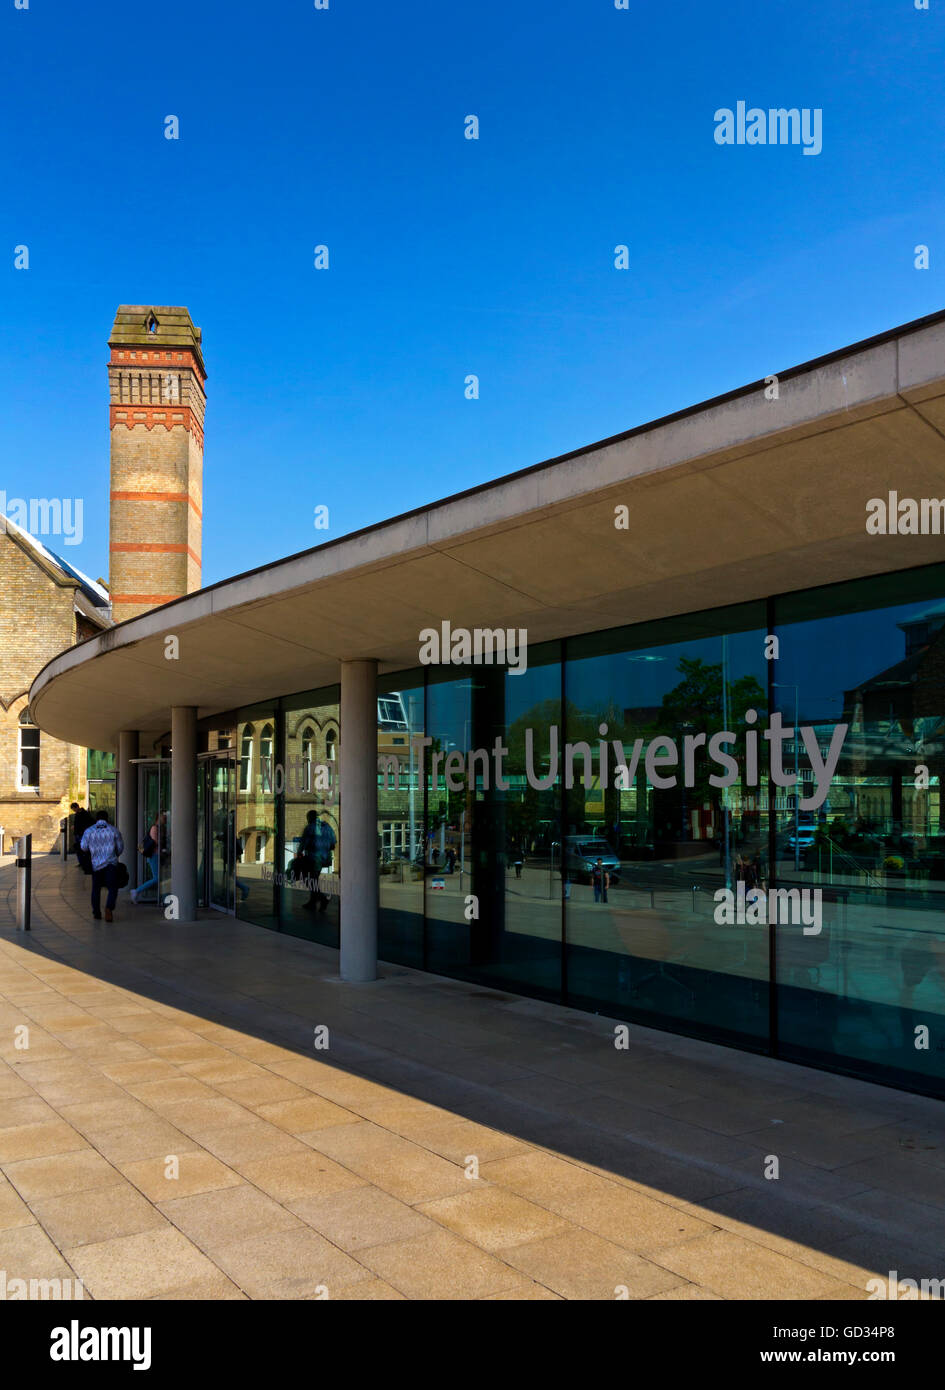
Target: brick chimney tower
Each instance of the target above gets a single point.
(156, 389)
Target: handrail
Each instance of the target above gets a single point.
(860, 868)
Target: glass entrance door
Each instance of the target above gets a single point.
(154, 804)
(216, 818)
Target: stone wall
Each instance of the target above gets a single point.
(37, 621)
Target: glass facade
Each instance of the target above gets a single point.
(655, 951)
(403, 820)
(255, 850)
(875, 997)
(310, 797)
(100, 779)
(725, 824)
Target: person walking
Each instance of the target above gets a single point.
(749, 871)
(149, 853)
(325, 841)
(316, 845)
(104, 845)
(304, 864)
(601, 880)
(82, 819)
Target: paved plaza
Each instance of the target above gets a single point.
(169, 1129)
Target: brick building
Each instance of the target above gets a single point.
(156, 408)
(47, 605)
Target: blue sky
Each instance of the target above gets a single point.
(447, 256)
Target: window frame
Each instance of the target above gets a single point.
(23, 726)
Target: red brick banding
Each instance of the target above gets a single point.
(164, 357)
(149, 600)
(156, 411)
(156, 497)
(167, 548)
(149, 416)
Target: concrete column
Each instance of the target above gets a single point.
(358, 846)
(127, 814)
(184, 810)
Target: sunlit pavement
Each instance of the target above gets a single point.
(352, 1171)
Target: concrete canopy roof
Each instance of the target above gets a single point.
(734, 499)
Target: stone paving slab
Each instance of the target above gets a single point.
(167, 1131)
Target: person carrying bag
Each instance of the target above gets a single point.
(148, 849)
(105, 846)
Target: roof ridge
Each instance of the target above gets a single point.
(69, 571)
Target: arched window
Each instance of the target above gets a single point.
(246, 759)
(28, 778)
(308, 738)
(331, 740)
(265, 757)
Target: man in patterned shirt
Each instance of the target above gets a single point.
(104, 844)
